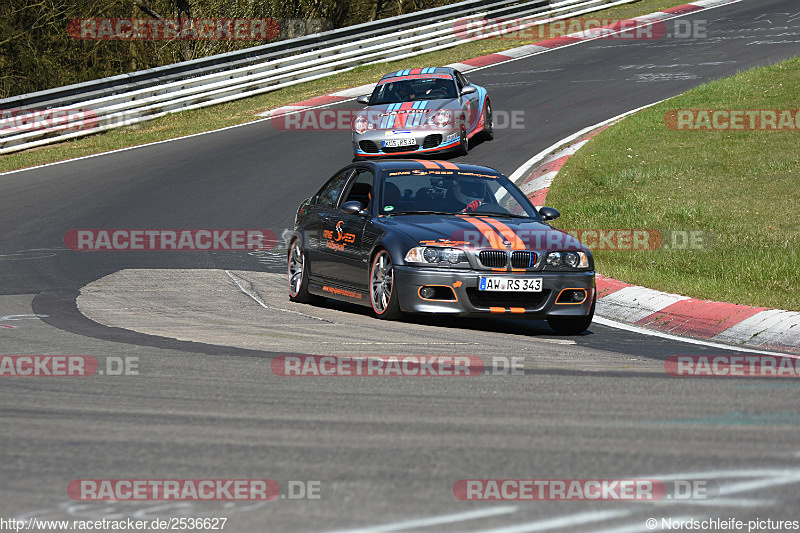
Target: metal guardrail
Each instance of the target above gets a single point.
(108, 103)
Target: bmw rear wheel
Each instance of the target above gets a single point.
(381, 287)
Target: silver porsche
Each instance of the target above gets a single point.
(428, 111)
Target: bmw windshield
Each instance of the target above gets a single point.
(452, 192)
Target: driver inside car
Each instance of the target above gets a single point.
(469, 194)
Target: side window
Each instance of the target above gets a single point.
(330, 192)
(362, 187)
(459, 83)
(462, 81)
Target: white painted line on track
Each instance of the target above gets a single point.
(434, 520)
(260, 302)
(653, 333)
(559, 522)
(605, 35)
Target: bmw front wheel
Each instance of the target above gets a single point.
(381, 287)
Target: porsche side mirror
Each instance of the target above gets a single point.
(469, 89)
(548, 213)
(363, 99)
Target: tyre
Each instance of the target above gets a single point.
(488, 125)
(382, 292)
(297, 275)
(572, 325)
(463, 145)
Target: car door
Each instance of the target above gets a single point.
(347, 263)
(320, 213)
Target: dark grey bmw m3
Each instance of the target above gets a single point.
(420, 236)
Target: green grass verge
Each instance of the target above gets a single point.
(242, 111)
(740, 188)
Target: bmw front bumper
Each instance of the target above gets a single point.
(457, 293)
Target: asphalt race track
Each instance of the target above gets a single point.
(387, 452)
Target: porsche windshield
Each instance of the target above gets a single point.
(452, 192)
(396, 90)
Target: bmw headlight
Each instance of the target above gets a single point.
(577, 260)
(436, 255)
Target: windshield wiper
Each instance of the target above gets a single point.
(421, 213)
(509, 215)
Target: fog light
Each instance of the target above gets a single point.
(427, 292)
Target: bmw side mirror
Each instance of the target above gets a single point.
(353, 207)
(363, 99)
(469, 89)
(548, 213)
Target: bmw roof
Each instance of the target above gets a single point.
(422, 164)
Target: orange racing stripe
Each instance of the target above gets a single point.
(508, 233)
(488, 232)
(427, 164)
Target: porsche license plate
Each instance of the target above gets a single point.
(392, 143)
(498, 283)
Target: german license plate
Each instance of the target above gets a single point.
(498, 283)
(391, 143)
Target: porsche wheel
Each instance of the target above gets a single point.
(463, 145)
(488, 125)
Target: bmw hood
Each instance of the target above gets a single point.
(480, 231)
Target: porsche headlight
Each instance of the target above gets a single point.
(440, 119)
(360, 124)
(435, 255)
